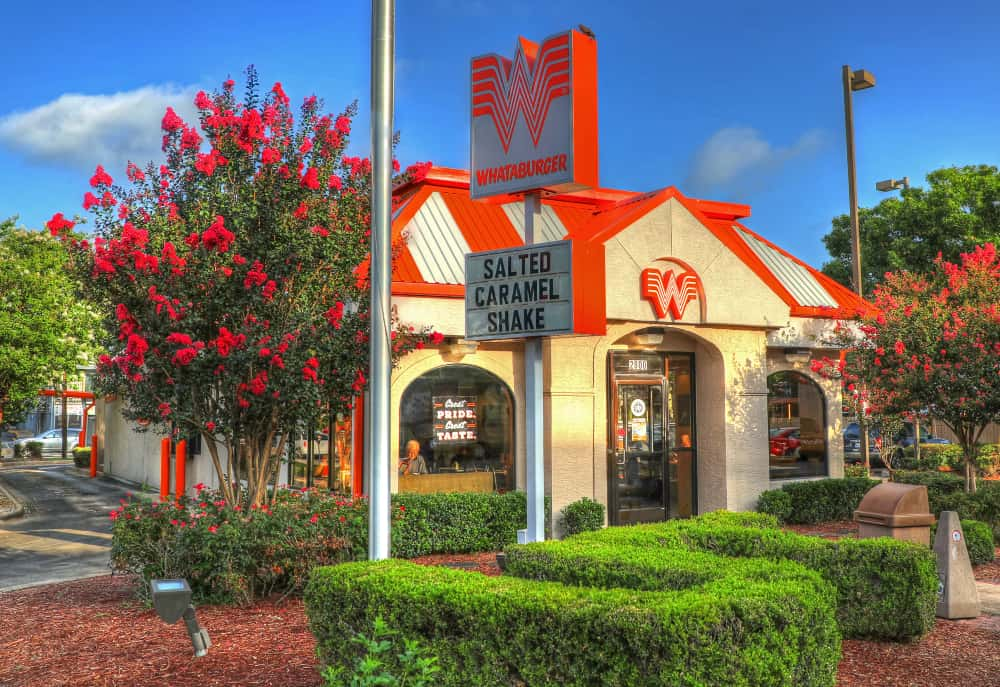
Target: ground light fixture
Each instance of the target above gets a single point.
(172, 601)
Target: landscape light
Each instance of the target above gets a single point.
(172, 601)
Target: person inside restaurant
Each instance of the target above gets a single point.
(412, 463)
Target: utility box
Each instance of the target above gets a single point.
(957, 593)
(895, 510)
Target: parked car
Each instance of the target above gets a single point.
(852, 446)
(51, 440)
(902, 439)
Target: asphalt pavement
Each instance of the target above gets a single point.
(63, 533)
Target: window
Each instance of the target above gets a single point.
(796, 419)
(463, 418)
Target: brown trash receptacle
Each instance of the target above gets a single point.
(895, 510)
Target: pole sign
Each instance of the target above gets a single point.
(519, 292)
(529, 291)
(534, 118)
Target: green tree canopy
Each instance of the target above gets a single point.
(44, 330)
(959, 210)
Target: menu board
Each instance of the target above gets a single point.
(455, 419)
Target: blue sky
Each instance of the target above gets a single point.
(727, 100)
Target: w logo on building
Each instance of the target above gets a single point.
(504, 90)
(669, 293)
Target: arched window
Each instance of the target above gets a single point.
(796, 423)
(463, 418)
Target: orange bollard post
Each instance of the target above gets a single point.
(164, 469)
(93, 455)
(180, 468)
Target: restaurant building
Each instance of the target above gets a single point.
(697, 396)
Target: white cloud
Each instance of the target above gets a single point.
(736, 157)
(86, 130)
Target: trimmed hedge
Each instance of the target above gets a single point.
(885, 588)
(456, 523)
(81, 457)
(584, 515)
(817, 500)
(497, 632)
(978, 541)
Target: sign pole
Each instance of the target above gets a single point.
(534, 408)
(377, 441)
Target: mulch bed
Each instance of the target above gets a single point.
(92, 633)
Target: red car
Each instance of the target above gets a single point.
(785, 442)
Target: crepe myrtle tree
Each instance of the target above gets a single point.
(233, 279)
(932, 343)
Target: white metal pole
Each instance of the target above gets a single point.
(377, 442)
(534, 405)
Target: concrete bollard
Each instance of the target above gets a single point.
(957, 594)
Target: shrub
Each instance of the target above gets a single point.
(776, 502)
(978, 541)
(585, 515)
(988, 459)
(507, 631)
(946, 492)
(855, 471)
(234, 556)
(932, 456)
(81, 456)
(381, 665)
(33, 449)
(885, 588)
(819, 500)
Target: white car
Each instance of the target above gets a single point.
(51, 441)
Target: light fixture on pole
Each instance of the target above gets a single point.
(892, 184)
(854, 81)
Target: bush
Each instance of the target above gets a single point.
(818, 500)
(381, 665)
(776, 502)
(855, 471)
(978, 541)
(231, 556)
(885, 588)
(32, 450)
(946, 492)
(505, 631)
(81, 457)
(585, 515)
(988, 460)
(932, 456)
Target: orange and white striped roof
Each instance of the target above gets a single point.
(437, 223)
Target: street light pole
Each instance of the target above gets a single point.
(855, 81)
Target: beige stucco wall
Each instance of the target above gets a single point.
(135, 456)
(734, 294)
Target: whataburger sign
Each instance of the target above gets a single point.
(534, 128)
(534, 118)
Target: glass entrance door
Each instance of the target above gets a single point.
(637, 479)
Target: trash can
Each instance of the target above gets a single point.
(895, 510)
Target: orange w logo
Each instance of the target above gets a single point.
(668, 293)
(502, 89)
